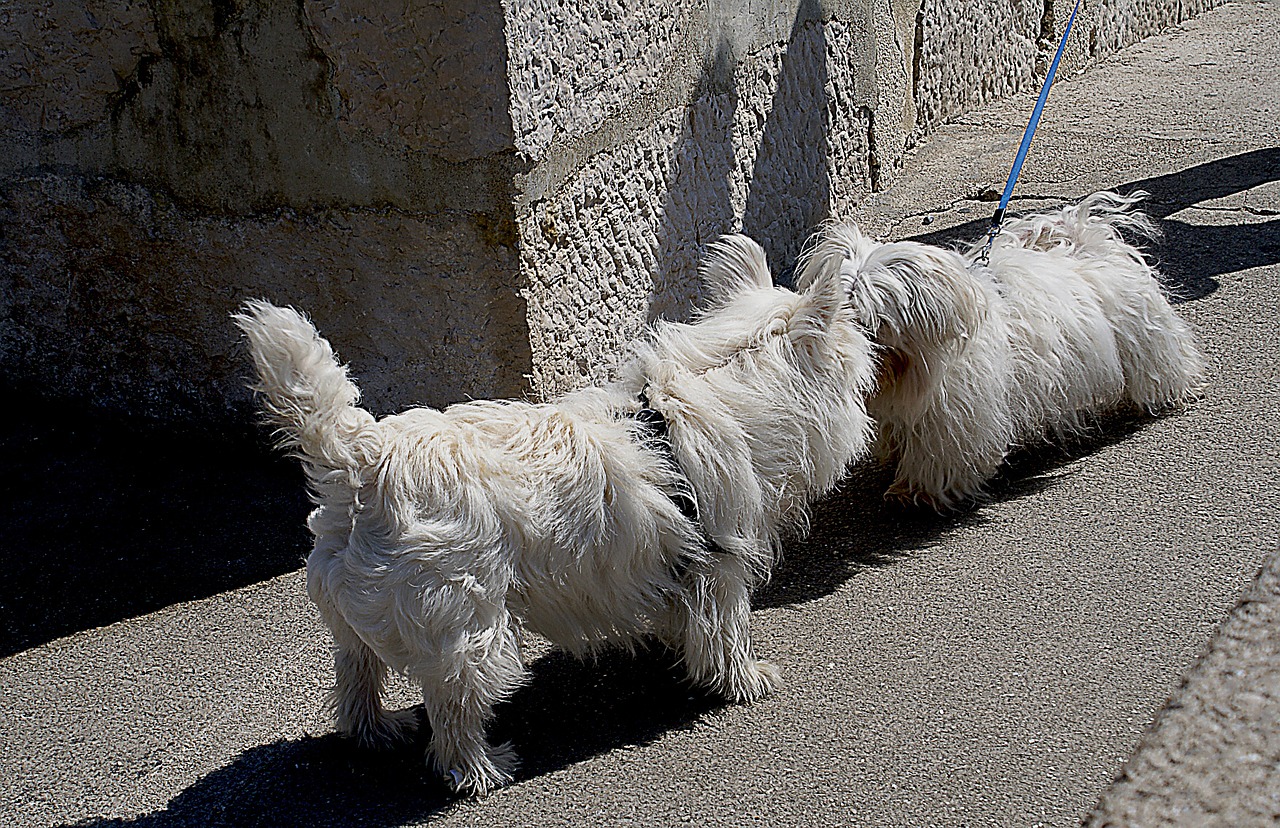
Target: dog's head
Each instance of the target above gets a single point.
(910, 297)
(745, 310)
(748, 322)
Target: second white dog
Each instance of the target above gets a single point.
(1066, 320)
(648, 508)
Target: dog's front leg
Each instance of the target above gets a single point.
(716, 634)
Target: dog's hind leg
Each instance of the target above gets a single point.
(461, 682)
(356, 698)
(715, 633)
(1162, 365)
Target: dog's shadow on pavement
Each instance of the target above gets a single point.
(314, 781)
(855, 527)
(569, 711)
(852, 529)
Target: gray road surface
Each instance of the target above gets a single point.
(1001, 668)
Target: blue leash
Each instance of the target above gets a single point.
(998, 218)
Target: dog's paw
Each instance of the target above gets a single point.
(905, 496)
(492, 770)
(908, 498)
(388, 728)
(757, 680)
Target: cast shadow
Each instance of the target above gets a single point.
(697, 205)
(319, 781)
(856, 528)
(789, 192)
(104, 518)
(788, 188)
(569, 711)
(1190, 256)
(1034, 468)
(852, 529)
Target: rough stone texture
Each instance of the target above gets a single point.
(553, 171)
(761, 147)
(973, 52)
(64, 61)
(147, 288)
(424, 73)
(1110, 25)
(588, 255)
(275, 149)
(237, 108)
(869, 100)
(969, 53)
(575, 65)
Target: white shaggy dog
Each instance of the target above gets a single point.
(648, 508)
(1066, 320)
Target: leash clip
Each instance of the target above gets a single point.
(1027, 133)
(996, 221)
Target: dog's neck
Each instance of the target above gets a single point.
(894, 365)
(655, 426)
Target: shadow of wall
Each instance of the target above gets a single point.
(1190, 256)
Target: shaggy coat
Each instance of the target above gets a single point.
(439, 535)
(1065, 320)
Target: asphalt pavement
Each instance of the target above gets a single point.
(1099, 643)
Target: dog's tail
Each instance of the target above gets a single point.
(1096, 227)
(307, 395)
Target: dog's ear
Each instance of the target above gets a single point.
(919, 292)
(825, 292)
(837, 250)
(734, 263)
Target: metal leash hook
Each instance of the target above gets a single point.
(998, 218)
(992, 232)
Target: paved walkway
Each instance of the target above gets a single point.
(1102, 620)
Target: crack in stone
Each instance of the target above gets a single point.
(873, 153)
(965, 201)
(1243, 208)
(1046, 40)
(917, 58)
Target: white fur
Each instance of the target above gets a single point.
(440, 534)
(1066, 320)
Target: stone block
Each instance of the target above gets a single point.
(474, 199)
(117, 295)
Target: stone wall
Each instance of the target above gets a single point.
(472, 198)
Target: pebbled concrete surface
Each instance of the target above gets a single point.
(1007, 667)
(1213, 755)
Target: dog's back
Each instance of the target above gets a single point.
(1121, 309)
(523, 497)
(1104, 225)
